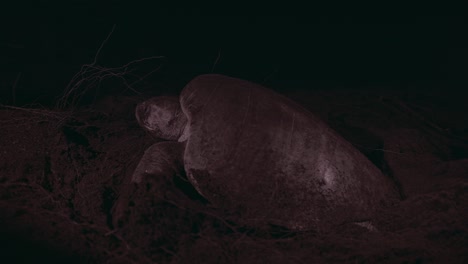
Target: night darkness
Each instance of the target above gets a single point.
(283, 52)
(393, 87)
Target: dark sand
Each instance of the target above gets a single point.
(61, 173)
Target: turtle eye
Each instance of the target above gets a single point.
(169, 122)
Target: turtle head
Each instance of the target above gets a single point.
(162, 117)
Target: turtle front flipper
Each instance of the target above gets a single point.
(151, 180)
(159, 160)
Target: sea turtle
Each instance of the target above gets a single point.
(252, 151)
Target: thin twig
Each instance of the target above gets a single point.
(18, 76)
(216, 61)
(91, 75)
(102, 44)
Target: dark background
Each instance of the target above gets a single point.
(43, 46)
